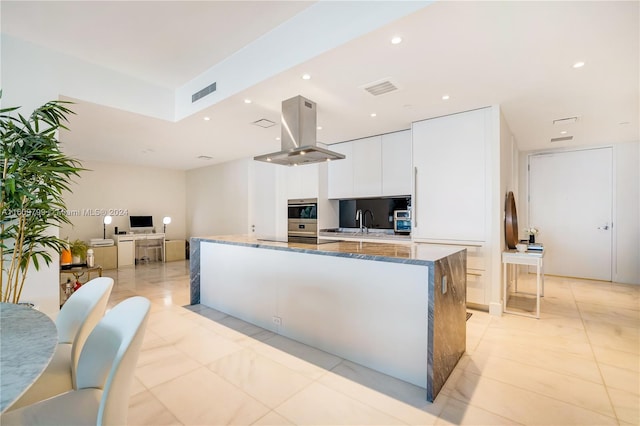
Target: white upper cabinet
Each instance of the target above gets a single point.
(449, 155)
(367, 172)
(341, 172)
(375, 166)
(396, 163)
(302, 181)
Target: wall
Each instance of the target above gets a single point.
(626, 225)
(218, 199)
(508, 181)
(32, 75)
(123, 190)
(626, 194)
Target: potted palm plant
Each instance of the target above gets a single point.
(35, 175)
(78, 250)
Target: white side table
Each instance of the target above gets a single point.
(515, 258)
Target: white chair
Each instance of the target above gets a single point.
(77, 318)
(104, 376)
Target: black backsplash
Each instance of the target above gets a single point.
(382, 209)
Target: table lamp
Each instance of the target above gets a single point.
(165, 221)
(106, 221)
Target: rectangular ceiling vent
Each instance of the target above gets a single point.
(381, 87)
(204, 92)
(568, 120)
(264, 123)
(562, 139)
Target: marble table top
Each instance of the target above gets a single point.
(415, 253)
(28, 339)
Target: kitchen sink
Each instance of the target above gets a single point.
(364, 233)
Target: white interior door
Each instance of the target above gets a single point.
(268, 205)
(570, 202)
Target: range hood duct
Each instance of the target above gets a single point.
(298, 136)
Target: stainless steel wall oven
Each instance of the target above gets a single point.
(303, 221)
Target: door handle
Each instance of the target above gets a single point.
(415, 197)
(604, 227)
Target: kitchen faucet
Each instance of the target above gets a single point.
(361, 217)
(364, 219)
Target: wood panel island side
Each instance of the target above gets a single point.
(396, 308)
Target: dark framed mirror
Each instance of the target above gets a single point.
(510, 221)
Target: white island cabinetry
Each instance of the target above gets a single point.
(379, 305)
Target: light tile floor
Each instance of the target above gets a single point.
(579, 364)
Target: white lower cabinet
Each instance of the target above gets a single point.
(476, 286)
(126, 251)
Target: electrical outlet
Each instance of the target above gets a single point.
(276, 320)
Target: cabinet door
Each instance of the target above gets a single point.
(449, 159)
(396, 163)
(126, 253)
(341, 172)
(302, 181)
(367, 167)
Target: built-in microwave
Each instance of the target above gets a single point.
(303, 209)
(402, 221)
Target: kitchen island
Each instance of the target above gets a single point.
(396, 308)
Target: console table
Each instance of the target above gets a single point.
(515, 258)
(128, 243)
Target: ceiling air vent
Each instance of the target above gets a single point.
(562, 139)
(204, 92)
(381, 87)
(264, 123)
(568, 120)
(204, 157)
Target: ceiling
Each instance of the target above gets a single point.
(519, 55)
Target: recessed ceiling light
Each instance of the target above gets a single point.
(373, 114)
(302, 153)
(319, 127)
(206, 118)
(278, 138)
(564, 132)
(306, 77)
(268, 159)
(396, 40)
(247, 101)
(578, 65)
(445, 97)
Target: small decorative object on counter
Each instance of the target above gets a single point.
(90, 258)
(532, 234)
(77, 286)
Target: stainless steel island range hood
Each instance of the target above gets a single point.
(298, 136)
